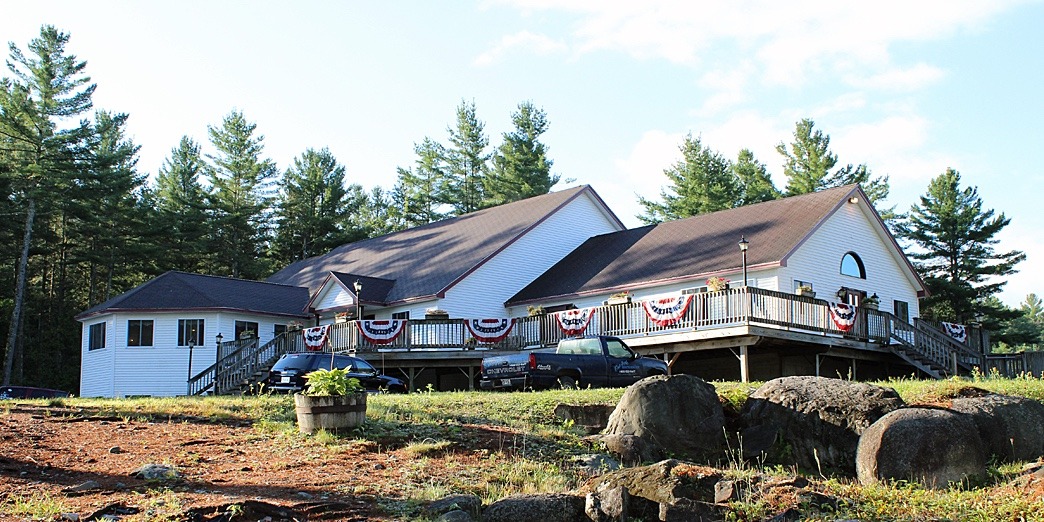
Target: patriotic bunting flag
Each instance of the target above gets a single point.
(667, 311)
(315, 338)
(382, 331)
(489, 330)
(574, 322)
(957, 331)
(843, 316)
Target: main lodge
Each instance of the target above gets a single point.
(810, 284)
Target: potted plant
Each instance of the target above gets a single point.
(341, 317)
(534, 311)
(247, 334)
(619, 298)
(717, 284)
(805, 290)
(331, 401)
(871, 302)
(294, 326)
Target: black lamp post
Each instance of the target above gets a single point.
(744, 244)
(358, 300)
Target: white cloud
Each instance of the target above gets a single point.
(790, 39)
(908, 79)
(535, 43)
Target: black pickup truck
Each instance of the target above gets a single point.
(588, 361)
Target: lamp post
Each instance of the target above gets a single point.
(744, 244)
(358, 300)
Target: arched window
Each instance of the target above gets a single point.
(851, 265)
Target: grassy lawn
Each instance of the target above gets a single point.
(518, 445)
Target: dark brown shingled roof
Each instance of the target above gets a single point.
(428, 260)
(691, 248)
(184, 291)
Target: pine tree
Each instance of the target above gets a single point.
(181, 203)
(467, 162)
(521, 168)
(43, 144)
(417, 189)
(701, 182)
(754, 180)
(956, 258)
(313, 208)
(242, 182)
(808, 160)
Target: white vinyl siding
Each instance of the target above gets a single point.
(483, 292)
(851, 229)
(335, 296)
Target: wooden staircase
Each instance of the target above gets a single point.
(242, 365)
(930, 350)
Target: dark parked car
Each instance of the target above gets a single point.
(288, 373)
(29, 392)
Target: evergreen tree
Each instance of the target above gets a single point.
(467, 162)
(313, 208)
(242, 182)
(808, 160)
(416, 194)
(181, 203)
(754, 180)
(701, 182)
(375, 216)
(956, 258)
(43, 144)
(521, 168)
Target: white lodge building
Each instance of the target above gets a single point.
(558, 252)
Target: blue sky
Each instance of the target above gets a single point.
(909, 88)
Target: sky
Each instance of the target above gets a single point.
(908, 88)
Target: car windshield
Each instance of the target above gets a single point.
(299, 362)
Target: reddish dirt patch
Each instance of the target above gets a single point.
(54, 450)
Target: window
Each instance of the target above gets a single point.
(617, 349)
(401, 315)
(246, 326)
(139, 332)
(96, 336)
(851, 265)
(798, 284)
(901, 309)
(190, 331)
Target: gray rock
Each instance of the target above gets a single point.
(596, 464)
(157, 472)
(609, 505)
(1012, 428)
(471, 504)
(814, 422)
(631, 449)
(115, 450)
(85, 487)
(455, 516)
(678, 415)
(686, 510)
(664, 482)
(933, 446)
(553, 507)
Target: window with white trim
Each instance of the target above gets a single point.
(190, 332)
(96, 336)
(139, 332)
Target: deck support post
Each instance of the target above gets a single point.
(953, 356)
(670, 363)
(744, 360)
(412, 372)
(854, 378)
(817, 365)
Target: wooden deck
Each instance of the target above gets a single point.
(735, 319)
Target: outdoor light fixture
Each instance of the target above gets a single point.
(744, 244)
(220, 338)
(841, 292)
(358, 300)
(853, 200)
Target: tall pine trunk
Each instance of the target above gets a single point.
(16, 313)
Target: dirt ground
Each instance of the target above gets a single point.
(87, 463)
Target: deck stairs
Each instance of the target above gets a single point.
(930, 350)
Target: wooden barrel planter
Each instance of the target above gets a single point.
(330, 412)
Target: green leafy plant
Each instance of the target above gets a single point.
(332, 382)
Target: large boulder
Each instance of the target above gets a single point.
(814, 422)
(551, 507)
(1012, 428)
(933, 446)
(667, 482)
(678, 416)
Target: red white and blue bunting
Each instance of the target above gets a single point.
(315, 338)
(489, 330)
(382, 331)
(957, 331)
(574, 322)
(843, 315)
(668, 310)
